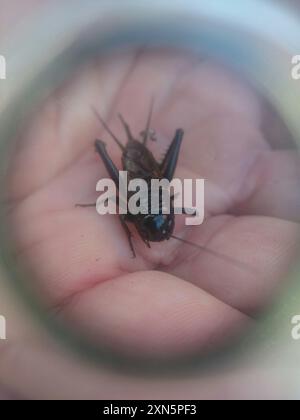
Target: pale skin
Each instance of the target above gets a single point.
(170, 296)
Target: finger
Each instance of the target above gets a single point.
(64, 128)
(267, 246)
(187, 90)
(152, 313)
(277, 193)
(69, 251)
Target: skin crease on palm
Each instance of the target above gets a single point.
(172, 295)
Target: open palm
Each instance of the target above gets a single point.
(172, 296)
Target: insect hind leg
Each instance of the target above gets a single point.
(108, 163)
(169, 163)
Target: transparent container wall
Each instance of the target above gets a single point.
(222, 76)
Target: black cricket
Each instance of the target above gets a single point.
(139, 162)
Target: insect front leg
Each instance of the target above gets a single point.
(168, 165)
(120, 202)
(86, 205)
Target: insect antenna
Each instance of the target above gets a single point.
(126, 127)
(226, 258)
(98, 116)
(146, 132)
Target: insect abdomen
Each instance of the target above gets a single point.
(139, 162)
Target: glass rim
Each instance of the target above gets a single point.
(78, 37)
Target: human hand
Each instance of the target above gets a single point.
(82, 261)
(186, 297)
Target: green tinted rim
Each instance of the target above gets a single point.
(222, 29)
